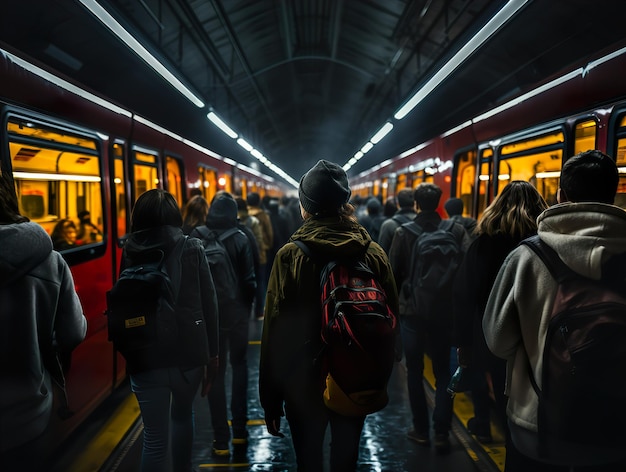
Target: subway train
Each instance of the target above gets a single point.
(70, 152)
(528, 137)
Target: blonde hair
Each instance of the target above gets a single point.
(514, 211)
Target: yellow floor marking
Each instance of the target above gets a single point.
(233, 465)
(464, 410)
(98, 451)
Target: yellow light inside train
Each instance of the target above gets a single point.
(221, 181)
(59, 177)
(548, 175)
(117, 180)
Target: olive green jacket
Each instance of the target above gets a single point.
(291, 331)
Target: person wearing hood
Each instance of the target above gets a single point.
(289, 380)
(41, 318)
(587, 232)
(166, 385)
(234, 325)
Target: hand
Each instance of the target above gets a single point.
(210, 372)
(273, 424)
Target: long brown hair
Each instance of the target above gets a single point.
(513, 212)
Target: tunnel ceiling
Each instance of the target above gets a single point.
(303, 80)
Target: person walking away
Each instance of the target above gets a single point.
(234, 322)
(256, 209)
(41, 319)
(290, 382)
(165, 382)
(509, 219)
(586, 232)
(405, 213)
(426, 329)
(454, 209)
(194, 213)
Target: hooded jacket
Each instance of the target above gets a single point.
(585, 236)
(291, 331)
(196, 296)
(40, 315)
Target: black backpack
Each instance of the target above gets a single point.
(358, 337)
(141, 314)
(583, 386)
(224, 276)
(435, 258)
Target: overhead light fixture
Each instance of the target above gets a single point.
(117, 29)
(245, 144)
(366, 147)
(496, 22)
(216, 120)
(381, 133)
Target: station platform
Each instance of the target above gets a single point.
(112, 439)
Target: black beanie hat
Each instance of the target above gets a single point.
(324, 188)
(222, 212)
(454, 206)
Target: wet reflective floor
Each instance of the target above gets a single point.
(384, 445)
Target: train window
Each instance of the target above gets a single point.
(585, 136)
(208, 182)
(174, 179)
(119, 180)
(465, 184)
(146, 175)
(484, 181)
(401, 182)
(224, 182)
(58, 181)
(536, 160)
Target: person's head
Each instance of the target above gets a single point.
(64, 231)
(390, 207)
(373, 206)
(195, 212)
(9, 208)
(406, 199)
(242, 206)
(324, 190)
(222, 212)
(427, 196)
(454, 207)
(84, 216)
(589, 176)
(155, 208)
(514, 211)
(254, 199)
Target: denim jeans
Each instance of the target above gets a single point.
(420, 338)
(234, 346)
(163, 395)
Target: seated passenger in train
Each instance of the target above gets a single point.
(64, 235)
(87, 231)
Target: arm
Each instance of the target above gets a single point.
(70, 325)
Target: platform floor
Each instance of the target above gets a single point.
(112, 440)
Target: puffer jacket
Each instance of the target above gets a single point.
(196, 297)
(585, 236)
(40, 315)
(291, 331)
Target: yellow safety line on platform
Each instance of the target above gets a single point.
(99, 450)
(464, 410)
(229, 465)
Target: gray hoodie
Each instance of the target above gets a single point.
(40, 315)
(585, 236)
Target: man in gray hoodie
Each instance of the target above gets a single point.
(40, 318)
(586, 230)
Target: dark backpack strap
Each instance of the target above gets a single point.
(305, 249)
(200, 232)
(549, 257)
(447, 225)
(413, 228)
(401, 219)
(228, 233)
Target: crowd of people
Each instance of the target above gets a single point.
(489, 317)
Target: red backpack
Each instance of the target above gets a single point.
(358, 337)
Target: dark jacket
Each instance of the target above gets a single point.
(400, 255)
(196, 295)
(389, 226)
(291, 331)
(40, 316)
(241, 256)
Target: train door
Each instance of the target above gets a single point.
(174, 179)
(145, 171)
(207, 182)
(465, 180)
(620, 157)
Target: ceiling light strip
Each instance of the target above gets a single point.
(117, 29)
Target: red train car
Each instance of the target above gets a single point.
(69, 151)
(529, 137)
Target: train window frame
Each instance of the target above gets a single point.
(528, 136)
(180, 187)
(135, 162)
(95, 248)
(469, 207)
